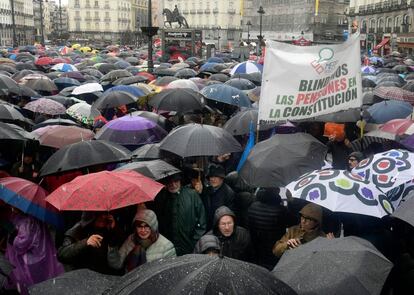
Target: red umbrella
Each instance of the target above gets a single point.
(104, 191)
(43, 61)
(149, 76)
(399, 126)
(59, 60)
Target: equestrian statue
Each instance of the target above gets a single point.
(174, 17)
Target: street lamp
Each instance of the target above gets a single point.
(249, 23)
(150, 31)
(260, 37)
(218, 38)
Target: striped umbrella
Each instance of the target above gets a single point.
(64, 67)
(247, 67)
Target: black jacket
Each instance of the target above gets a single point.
(238, 245)
(213, 199)
(267, 224)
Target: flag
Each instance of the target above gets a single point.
(247, 149)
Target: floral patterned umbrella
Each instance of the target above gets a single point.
(46, 106)
(341, 191)
(387, 170)
(104, 191)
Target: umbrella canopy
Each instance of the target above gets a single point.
(9, 132)
(240, 123)
(84, 154)
(350, 115)
(131, 89)
(45, 106)
(115, 75)
(39, 83)
(185, 73)
(385, 111)
(405, 210)
(399, 126)
(75, 282)
(155, 169)
(104, 191)
(388, 169)
(147, 152)
(131, 130)
(219, 77)
(395, 93)
(199, 140)
(183, 83)
(296, 154)
(113, 99)
(44, 61)
(5, 269)
(7, 84)
(164, 81)
(199, 274)
(29, 198)
(240, 83)
(64, 67)
(368, 70)
(226, 94)
(180, 100)
(341, 191)
(341, 266)
(83, 112)
(130, 80)
(154, 117)
(58, 121)
(9, 112)
(246, 67)
(58, 136)
(87, 88)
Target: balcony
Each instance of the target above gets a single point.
(88, 19)
(185, 11)
(403, 4)
(231, 11)
(370, 8)
(200, 11)
(378, 7)
(207, 11)
(76, 6)
(215, 10)
(96, 19)
(351, 11)
(395, 4)
(88, 6)
(193, 11)
(388, 30)
(380, 30)
(362, 9)
(397, 30)
(78, 18)
(107, 7)
(96, 7)
(386, 5)
(107, 19)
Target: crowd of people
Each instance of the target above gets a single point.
(207, 208)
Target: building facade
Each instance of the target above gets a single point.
(42, 8)
(385, 26)
(59, 22)
(23, 20)
(320, 21)
(220, 21)
(96, 21)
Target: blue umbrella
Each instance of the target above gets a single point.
(226, 94)
(247, 67)
(209, 67)
(385, 111)
(135, 91)
(215, 60)
(368, 70)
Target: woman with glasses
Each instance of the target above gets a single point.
(144, 245)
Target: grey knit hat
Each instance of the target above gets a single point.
(147, 216)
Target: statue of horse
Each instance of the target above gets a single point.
(171, 18)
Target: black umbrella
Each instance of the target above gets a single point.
(65, 100)
(405, 210)
(16, 77)
(25, 91)
(84, 154)
(113, 99)
(58, 121)
(199, 140)
(7, 68)
(385, 70)
(179, 99)
(149, 151)
(199, 274)
(340, 266)
(155, 169)
(164, 72)
(106, 68)
(281, 159)
(409, 87)
(185, 73)
(76, 282)
(41, 84)
(8, 84)
(9, 112)
(25, 66)
(219, 77)
(164, 81)
(239, 83)
(368, 98)
(350, 115)
(92, 72)
(115, 75)
(368, 83)
(130, 80)
(7, 132)
(240, 123)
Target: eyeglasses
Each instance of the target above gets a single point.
(352, 159)
(143, 226)
(306, 218)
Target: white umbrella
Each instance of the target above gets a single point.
(87, 88)
(183, 83)
(83, 112)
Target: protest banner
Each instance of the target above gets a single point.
(301, 82)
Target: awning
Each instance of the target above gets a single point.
(383, 42)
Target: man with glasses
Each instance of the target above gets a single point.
(353, 159)
(307, 230)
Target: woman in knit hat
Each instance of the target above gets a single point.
(144, 245)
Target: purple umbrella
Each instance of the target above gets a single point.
(46, 106)
(131, 130)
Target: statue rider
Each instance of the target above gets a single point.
(176, 13)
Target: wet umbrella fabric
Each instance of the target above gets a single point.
(154, 117)
(104, 191)
(29, 198)
(247, 67)
(199, 274)
(385, 111)
(87, 88)
(239, 124)
(58, 121)
(9, 112)
(388, 169)
(131, 130)
(45, 106)
(405, 209)
(9, 133)
(282, 159)
(146, 152)
(83, 112)
(340, 266)
(199, 140)
(58, 136)
(240, 83)
(341, 191)
(155, 169)
(180, 100)
(8, 84)
(395, 93)
(226, 94)
(75, 282)
(84, 154)
(113, 99)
